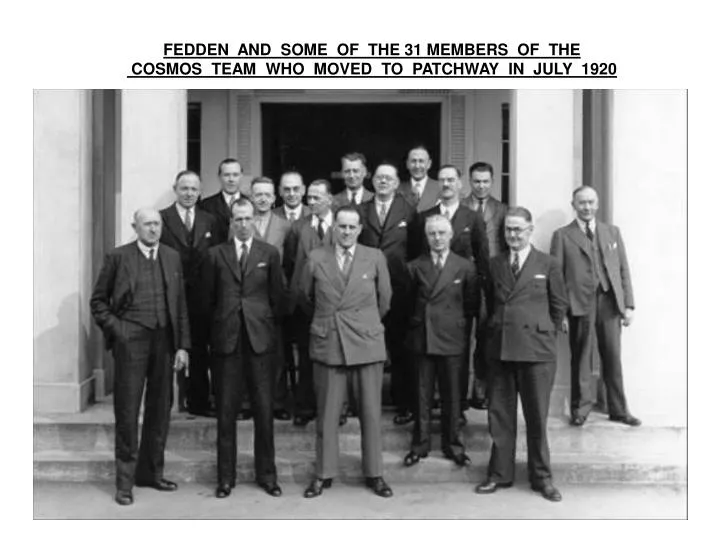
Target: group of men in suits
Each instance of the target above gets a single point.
(233, 287)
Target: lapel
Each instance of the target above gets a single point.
(446, 275)
(578, 236)
(427, 272)
(228, 253)
(395, 213)
(132, 265)
(164, 265)
(505, 276)
(177, 227)
(330, 267)
(427, 195)
(269, 225)
(602, 232)
(526, 272)
(356, 266)
(490, 207)
(254, 256)
(199, 227)
(459, 221)
(373, 220)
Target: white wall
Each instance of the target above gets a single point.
(649, 202)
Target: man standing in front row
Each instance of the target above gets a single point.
(346, 288)
(243, 283)
(139, 303)
(525, 311)
(597, 275)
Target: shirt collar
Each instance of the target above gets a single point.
(355, 195)
(583, 226)
(340, 251)
(238, 244)
(146, 249)
(387, 203)
(290, 211)
(181, 210)
(522, 255)
(327, 220)
(421, 183)
(451, 208)
(443, 256)
(229, 198)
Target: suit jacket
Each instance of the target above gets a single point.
(525, 314)
(346, 326)
(216, 205)
(494, 219)
(280, 211)
(255, 296)
(572, 248)
(429, 198)
(275, 232)
(469, 238)
(444, 304)
(341, 199)
(115, 286)
(299, 242)
(204, 236)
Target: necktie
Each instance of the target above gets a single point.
(416, 191)
(151, 254)
(482, 206)
(588, 232)
(383, 213)
(291, 216)
(188, 221)
(320, 230)
(515, 266)
(347, 258)
(445, 212)
(438, 263)
(243, 257)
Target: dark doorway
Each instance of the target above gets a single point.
(311, 138)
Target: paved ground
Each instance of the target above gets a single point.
(437, 501)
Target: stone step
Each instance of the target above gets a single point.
(298, 467)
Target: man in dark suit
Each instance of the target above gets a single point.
(596, 271)
(192, 232)
(493, 213)
(469, 241)
(292, 191)
(386, 221)
(443, 288)
(526, 311)
(139, 303)
(346, 290)
(243, 280)
(305, 235)
(230, 176)
(354, 171)
(421, 191)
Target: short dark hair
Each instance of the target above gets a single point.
(450, 166)
(186, 172)
(388, 163)
(347, 208)
(519, 211)
(418, 147)
(481, 166)
(242, 201)
(355, 156)
(228, 161)
(582, 188)
(322, 182)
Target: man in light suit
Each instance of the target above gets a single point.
(139, 303)
(305, 235)
(292, 191)
(244, 287)
(443, 288)
(596, 271)
(354, 171)
(386, 221)
(526, 310)
(271, 228)
(230, 175)
(421, 191)
(192, 232)
(493, 213)
(346, 289)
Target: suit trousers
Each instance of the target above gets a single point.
(447, 370)
(465, 367)
(142, 356)
(602, 326)
(199, 389)
(255, 371)
(331, 384)
(402, 370)
(533, 381)
(305, 401)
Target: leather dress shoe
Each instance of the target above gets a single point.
(343, 420)
(379, 486)
(478, 403)
(281, 414)
(413, 457)
(161, 485)
(460, 459)
(549, 492)
(627, 419)
(316, 487)
(208, 413)
(578, 420)
(462, 421)
(488, 486)
(244, 415)
(123, 497)
(403, 417)
(271, 488)
(301, 420)
(222, 491)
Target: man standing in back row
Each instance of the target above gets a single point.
(421, 191)
(597, 275)
(230, 175)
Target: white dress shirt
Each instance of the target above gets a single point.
(584, 225)
(340, 254)
(146, 250)
(449, 209)
(182, 211)
(238, 246)
(292, 214)
(356, 196)
(327, 222)
(522, 256)
(442, 256)
(418, 185)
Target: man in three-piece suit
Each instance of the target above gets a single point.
(386, 221)
(243, 280)
(271, 228)
(443, 288)
(493, 213)
(346, 289)
(230, 176)
(305, 235)
(525, 310)
(192, 232)
(596, 272)
(139, 303)
(292, 191)
(421, 191)
(469, 241)
(354, 171)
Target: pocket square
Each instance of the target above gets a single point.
(364, 276)
(466, 229)
(260, 265)
(613, 245)
(208, 234)
(403, 223)
(540, 276)
(457, 281)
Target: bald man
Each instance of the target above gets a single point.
(139, 303)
